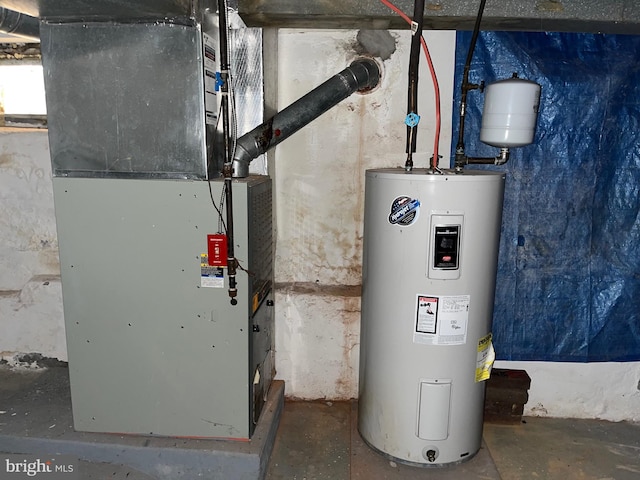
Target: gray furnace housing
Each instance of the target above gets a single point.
(154, 345)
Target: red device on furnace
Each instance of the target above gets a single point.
(217, 250)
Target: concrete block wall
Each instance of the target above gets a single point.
(31, 318)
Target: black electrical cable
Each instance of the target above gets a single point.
(222, 227)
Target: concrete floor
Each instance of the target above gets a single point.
(36, 422)
(319, 440)
(314, 441)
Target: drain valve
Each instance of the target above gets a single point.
(430, 453)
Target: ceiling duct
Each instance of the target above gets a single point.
(101, 10)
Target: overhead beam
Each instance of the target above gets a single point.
(594, 16)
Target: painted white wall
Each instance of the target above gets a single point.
(319, 195)
(319, 181)
(609, 391)
(31, 318)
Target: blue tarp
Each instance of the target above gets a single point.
(568, 286)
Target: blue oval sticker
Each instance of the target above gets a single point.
(404, 211)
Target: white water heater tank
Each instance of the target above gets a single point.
(510, 112)
(429, 269)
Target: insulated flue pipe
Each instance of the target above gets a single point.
(20, 25)
(412, 101)
(362, 74)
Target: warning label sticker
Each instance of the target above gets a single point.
(441, 320)
(427, 318)
(210, 89)
(486, 357)
(210, 277)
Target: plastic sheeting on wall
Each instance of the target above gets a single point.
(568, 286)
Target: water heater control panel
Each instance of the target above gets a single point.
(444, 246)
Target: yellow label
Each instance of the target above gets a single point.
(256, 301)
(486, 357)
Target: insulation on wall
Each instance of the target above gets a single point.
(568, 286)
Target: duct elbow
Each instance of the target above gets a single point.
(239, 169)
(240, 164)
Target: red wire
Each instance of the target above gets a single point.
(436, 86)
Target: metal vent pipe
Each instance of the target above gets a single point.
(19, 24)
(362, 74)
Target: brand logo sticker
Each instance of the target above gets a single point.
(404, 211)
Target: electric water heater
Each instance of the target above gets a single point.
(429, 269)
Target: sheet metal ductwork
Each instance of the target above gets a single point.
(89, 10)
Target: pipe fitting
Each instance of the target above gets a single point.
(241, 159)
(503, 157)
(462, 159)
(366, 72)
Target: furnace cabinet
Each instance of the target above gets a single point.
(154, 345)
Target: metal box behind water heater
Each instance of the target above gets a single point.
(429, 268)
